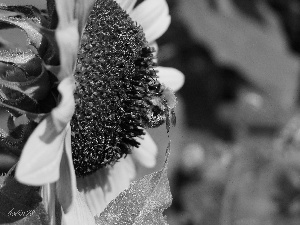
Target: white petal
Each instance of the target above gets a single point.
(105, 184)
(146, 153)
(120, 175)
(82, 12)
(79, 213)
(48, 194)
(66, 185)
(70, 10)
(127, 5)
(65, 10)
(92, 187)
(153, 16)
(170, 77)
(40, 159)
(63, 113)
(68, 41)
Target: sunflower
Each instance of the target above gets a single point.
(104, 92)
(105, 184)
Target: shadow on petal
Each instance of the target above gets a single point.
(101, 187)
(66, 185)
(79, 213)
(146, 153)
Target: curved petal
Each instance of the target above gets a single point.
(120, 176)
(65, 11)
(67, 33)
(82, 13)
(92, 189)
(79, 213)
(33, 35)
(127, 5)
(170, 77)
(153, 16)
(68, 43)
(72, 15)
(63, 113)
(40, 159)
(105, 184)
(48, 194)
(41, 156)
(66, 185)
(146, 153)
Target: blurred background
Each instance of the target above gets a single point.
(235, 150)
(235, 156)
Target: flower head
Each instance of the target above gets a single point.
(100, 187)
(117, 93)
(97, 90)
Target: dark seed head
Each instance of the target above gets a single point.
(117, 92)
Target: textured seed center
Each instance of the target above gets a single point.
(116, 88)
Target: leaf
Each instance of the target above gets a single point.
(16, 65)
(20, 204)
(4, 44)
(52, 13)
(29, 11)
(30, 19)
(19, 20)
(142, 203)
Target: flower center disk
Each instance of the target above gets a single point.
(116, 85)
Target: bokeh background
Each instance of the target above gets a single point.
(235, 156)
